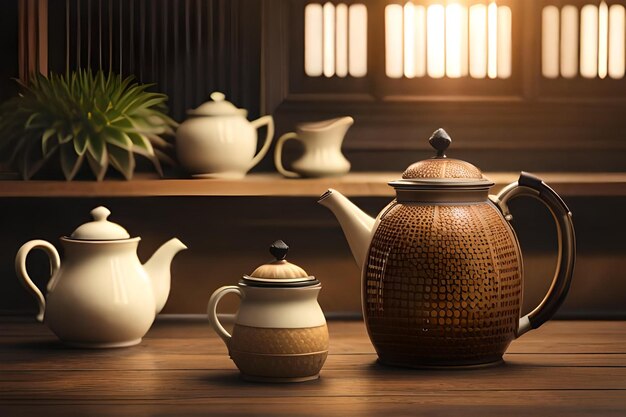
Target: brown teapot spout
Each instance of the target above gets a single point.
(356, 224)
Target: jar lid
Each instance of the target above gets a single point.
(279, 272)
(100, 228)
(218, 106)
(441, 171)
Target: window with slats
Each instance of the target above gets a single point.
(587, 41)
(448, 39)
(335, 40)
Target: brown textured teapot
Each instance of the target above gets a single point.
(442, 267)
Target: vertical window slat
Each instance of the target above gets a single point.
(550, 42)
(589, 41)
(341, 40)
(435, 45)
(492, 43)
(617, 36)
(420, 41)
(313, 48)
(329, 40)
(409, 40)
(454, 40)
(505, 42)
(603, 40)
(393, 41)
(478, 41)
(357, 40)
(569, 41)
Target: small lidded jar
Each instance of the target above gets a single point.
(280, 333)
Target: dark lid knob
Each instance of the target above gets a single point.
(279, 250)
(440, 140)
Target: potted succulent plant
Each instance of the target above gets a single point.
(83, 116)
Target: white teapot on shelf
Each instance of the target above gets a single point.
(218, 141)
(100, 296)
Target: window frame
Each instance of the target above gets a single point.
(535, 114)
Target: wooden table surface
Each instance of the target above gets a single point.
(566, 368)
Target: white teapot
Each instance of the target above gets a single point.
(218, 141)
(101, 296)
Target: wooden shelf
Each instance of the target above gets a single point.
(354, 184)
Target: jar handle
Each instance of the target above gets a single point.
(278, 155)
(262, 121)
(22, 273)
(531, 186)
(212, 310)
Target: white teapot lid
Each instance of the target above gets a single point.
(218, 106)
(100, 228)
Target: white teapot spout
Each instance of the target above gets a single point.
(357, 226)
(158, 269)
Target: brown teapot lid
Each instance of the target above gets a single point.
(279, 272)
(441, 171)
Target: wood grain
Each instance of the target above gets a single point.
(364, 184)
(181, 368)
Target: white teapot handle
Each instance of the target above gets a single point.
(22, 274)
(212, 310)
(262, 121)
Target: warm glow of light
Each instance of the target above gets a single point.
(435, 41)
(505, 43)
(313, 49)
(465, 41)
(492, 30)
(569, 41)
(393, 40)
(341, 40)
(454, 40)
(617, 35)
(589, 41)
(550, 42)
(603, 41)
(358, 40)
(409, 40)
(420, 41)
(329, 39)
(478, 41)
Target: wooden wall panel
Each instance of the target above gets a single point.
(188, 48)
(229, 236)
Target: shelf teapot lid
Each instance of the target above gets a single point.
(218, 106)
(279, 272)
(100, 228)
(441, 171)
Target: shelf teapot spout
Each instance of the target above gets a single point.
(158, 270)
(356, 224)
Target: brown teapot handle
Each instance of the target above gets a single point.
(531, 186)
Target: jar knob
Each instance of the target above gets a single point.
(279, 250)
(440, 140)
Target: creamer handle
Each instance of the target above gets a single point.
(278, 155)
(22, 273)
(531, 186)
(212, 310)
(261, 121)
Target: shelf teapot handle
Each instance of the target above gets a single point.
(212, 311)
(531, 186)
(262, 121)
(22, 274)
(278, 155)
